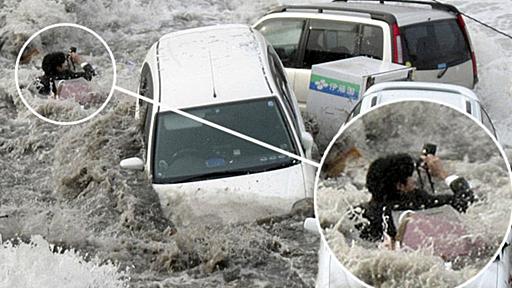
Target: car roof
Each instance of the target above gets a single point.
(211, 65)
(403, 13)
(398, 87)
(450, 95)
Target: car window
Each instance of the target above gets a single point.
(284, 35)
(372, 42)
(279, 77)
(487, 121)
(374, 101)
(335, 40)
(355, 111)
(186, 150)
(435, 45)
(468, 108)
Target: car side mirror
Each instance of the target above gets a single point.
(307, 141)
(134, 163)
(311, 225)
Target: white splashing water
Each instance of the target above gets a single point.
(35, 265)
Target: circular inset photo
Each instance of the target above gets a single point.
(65, 74)
(414, 194)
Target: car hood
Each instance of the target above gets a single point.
(233, 199)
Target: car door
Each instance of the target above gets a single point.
(328, 40)
(322, 40)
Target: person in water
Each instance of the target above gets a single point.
(56, 67)
(393, 188)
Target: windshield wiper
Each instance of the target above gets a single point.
(442, 72)
(214, 175)
(229, 173)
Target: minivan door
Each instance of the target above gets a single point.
(329, 40)
(321, 41)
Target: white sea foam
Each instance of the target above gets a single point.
(35, 265)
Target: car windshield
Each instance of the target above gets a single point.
(435, 45)
(186, 150)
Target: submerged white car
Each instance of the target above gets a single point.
(499, 273)
(230, 76)
(331, 274)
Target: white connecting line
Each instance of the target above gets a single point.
(219, 127)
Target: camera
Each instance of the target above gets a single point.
(71, 50)
(89, 70)
(429, 148)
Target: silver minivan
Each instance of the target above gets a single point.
(427, 35)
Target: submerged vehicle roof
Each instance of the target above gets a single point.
(389, 91)
(212, 65)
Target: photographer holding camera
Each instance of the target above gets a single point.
(59, 66)
(393, 188)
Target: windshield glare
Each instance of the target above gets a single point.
(186, 150)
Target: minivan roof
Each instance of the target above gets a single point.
(211, 65)
(403, 13)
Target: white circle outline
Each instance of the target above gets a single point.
(37, 34)
(345, 126)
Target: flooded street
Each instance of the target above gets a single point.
(74, 216)
(63, 186)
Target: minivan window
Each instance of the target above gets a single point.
(334, 40)
(186, 150)
(372, 42)
(284, 35)
(435, 45)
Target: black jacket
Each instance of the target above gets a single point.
(46, 84)
(379, 213)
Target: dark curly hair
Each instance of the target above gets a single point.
(51, 61)
(384, 173)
